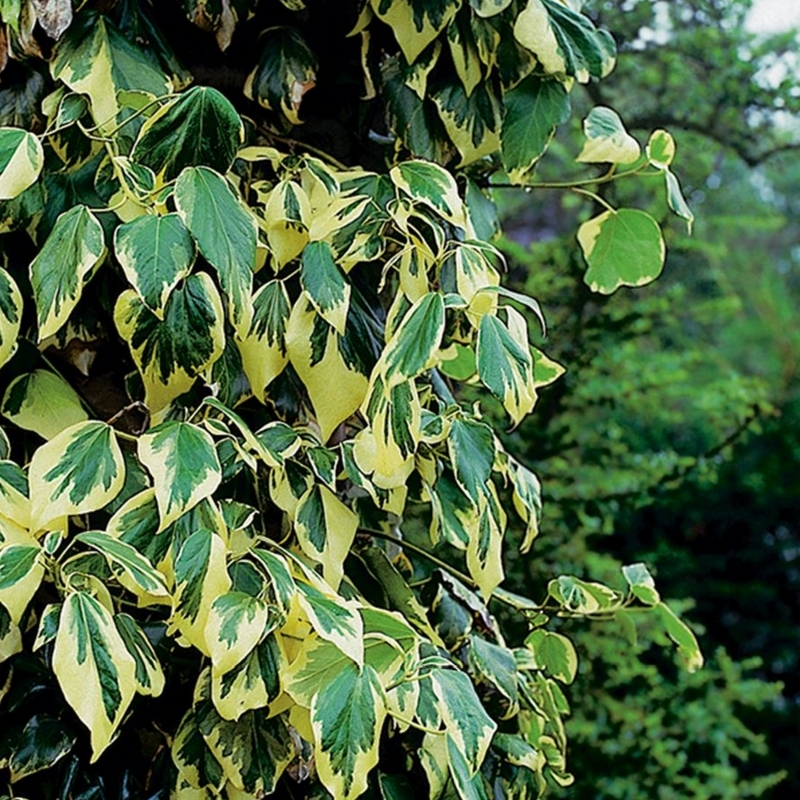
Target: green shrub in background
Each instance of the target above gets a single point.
(242, 328)
(671, 391)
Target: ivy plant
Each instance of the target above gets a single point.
(248, 528)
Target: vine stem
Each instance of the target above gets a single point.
(422, 552)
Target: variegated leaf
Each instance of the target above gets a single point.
(415, 344)
(473, 122)
(198, 128)
(14, 502)
(201, 577)
(325, 528)
(94, 669)
(171, 353)
(565, 41)
(155, 254)
(315, 352)
(183, 461)
(43, 402)
(505, 366)
(430, 185)
(607, 141)
(287, 215)
(78, 471)
(485, 545)
(63, 265)
(21, 572)
(347, 715)
(253, 683)
(622, 248)
(334, 621)
(21, 161)
(140, 575)
(149, 674)
(325, 284)
(10, 316)
(236, 624)
(286, 70)
(415, 23)
(225, 233)
(466, 722)
(94, 58)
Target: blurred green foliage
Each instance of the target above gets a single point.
(672, 437)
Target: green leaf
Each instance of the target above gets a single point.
(564, 41)
(79, 471)
(465, 720)
(325, 529)
(43, 742)
(171, 353)
(325, 284)
(63, 265)
(96, 59)
(643, 587)
(10, 316)
(21, 161)
(622, 248)
(554, 653)
(155, 253)
(286, 70)
(93, 667)
(414, 346)
(225, 234)
(43, 402)
(149, 674)
(145, 578)
(199, 128)
(183, 461)
(533, 110)
(681, 634)
(607, 141)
